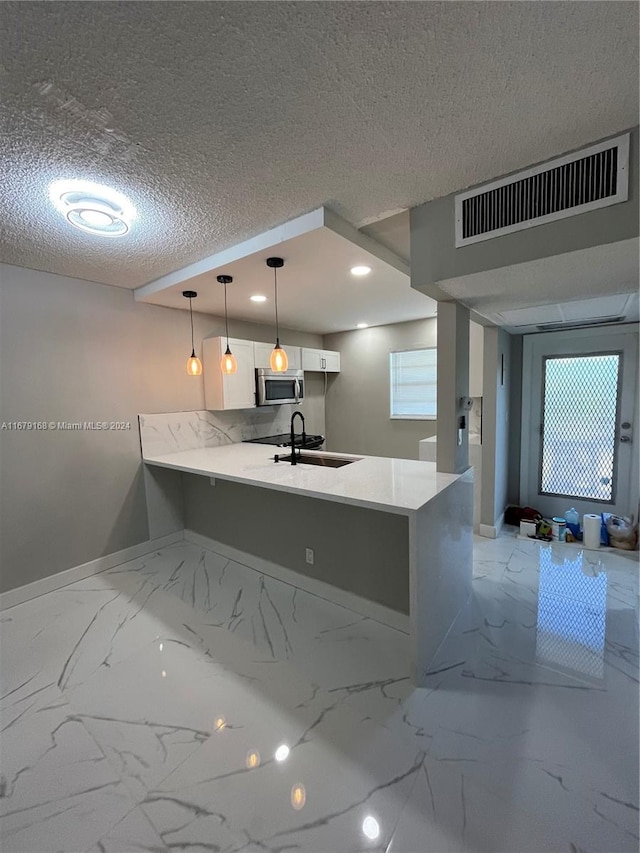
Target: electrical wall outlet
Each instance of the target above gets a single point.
(309, 555)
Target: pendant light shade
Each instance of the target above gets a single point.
(228, 363)
(194, 365)
(278, 359)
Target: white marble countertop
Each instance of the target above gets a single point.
(400, 486)
(474, 439)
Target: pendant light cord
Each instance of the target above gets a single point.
(226, 317)
(275, 279)
(193, 349)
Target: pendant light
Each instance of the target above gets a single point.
(194, 365)
(278, 360)
(228, 363)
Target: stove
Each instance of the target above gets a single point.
(284, 440)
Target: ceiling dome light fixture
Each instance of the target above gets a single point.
(278, 360)
(258, 298)
(194, 365)
(96, 218)
(228, 363)
(360, 270)
(93, 208)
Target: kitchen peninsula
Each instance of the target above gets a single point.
(392, 532)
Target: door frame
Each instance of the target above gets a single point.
(532, 389)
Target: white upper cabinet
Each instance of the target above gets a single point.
(234, 391)
(318, 359)
(262, 354)
(331, 361)
(294, 354)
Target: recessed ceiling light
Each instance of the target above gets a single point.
(258, 298)
(93, 208)
(362, 326)
(360, 270)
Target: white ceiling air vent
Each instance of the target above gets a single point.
(576, 183)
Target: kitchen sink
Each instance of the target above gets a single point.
(318, 459)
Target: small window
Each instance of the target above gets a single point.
(413, 384)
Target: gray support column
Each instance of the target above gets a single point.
(489, 426)
(453, 384)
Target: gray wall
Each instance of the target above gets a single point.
(72, 350)
(496, 430)
(434, 256)
(357, 404)
(360, 550)
(453, 384)
(515, 419)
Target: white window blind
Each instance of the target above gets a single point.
(413, 384)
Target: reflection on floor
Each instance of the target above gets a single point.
(185, 702)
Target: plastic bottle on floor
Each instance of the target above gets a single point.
(572, 517)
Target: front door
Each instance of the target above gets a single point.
(578, 421)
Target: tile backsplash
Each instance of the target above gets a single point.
(172, 431)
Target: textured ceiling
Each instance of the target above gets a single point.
(220, 120)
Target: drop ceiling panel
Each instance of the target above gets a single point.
(530, 316)
(589, 309)
(598, 309)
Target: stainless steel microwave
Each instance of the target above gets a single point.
(274, 389)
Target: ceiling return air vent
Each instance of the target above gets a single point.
(597, 176)
(604, 321)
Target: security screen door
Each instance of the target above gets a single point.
(578, 447)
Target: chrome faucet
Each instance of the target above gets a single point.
(293, 435)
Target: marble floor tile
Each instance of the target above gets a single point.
(321, 789)
(57, 789)
(331, 644)
(448, 813)
(152, 711)
(143, 708)
(134, 834)
(537, 681)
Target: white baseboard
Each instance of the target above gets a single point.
(492, 531)
(363, 606)
(78, 573)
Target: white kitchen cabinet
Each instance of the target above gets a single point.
(322, 360)
(294, 355)
(234, 391)
(331, 361)
(262, 354)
